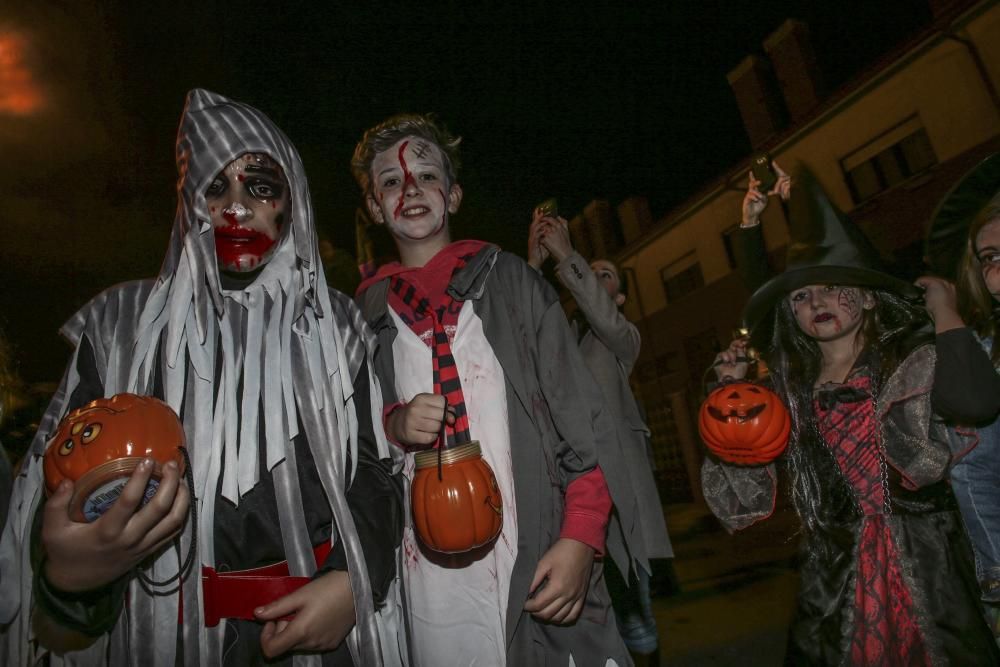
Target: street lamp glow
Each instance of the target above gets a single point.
(19, 92)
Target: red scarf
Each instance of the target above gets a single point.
(419, 295)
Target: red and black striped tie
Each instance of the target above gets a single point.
(446, 380)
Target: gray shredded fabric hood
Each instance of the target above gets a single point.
(246, 369)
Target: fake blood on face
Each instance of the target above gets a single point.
(240, 248)
(407, 180)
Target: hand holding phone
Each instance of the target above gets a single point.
(537, 252)
(764, 173)
(549, 208)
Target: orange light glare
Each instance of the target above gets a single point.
(19, 92)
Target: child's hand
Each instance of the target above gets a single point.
(417, 424)
(322, 613)
(565, 569)
(783, 186)
(941, 302)
(84, 556)
(555, 237)
(537, 253)
(728, 364)
(755, 201)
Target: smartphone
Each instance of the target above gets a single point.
(549, 207)
(762, 171)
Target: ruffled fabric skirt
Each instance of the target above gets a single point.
(892, 590)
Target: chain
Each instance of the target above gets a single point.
(836, 465)
(883, 467)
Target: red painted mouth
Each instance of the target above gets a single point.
(233, 244)
(823, 317)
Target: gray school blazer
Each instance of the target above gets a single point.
(559, 430)
(610, 349)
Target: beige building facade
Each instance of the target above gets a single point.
(886, 147)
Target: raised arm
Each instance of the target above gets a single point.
(602, 313)
(966, 386)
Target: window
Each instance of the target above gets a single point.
(916, 150)
(888, 160)
(682, 277)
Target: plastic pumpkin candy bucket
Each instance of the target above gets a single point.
(744, 423)
(455, 499)
(98, 446)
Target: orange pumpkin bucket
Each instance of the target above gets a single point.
(98, 446)
(455, 499)
(744, 423)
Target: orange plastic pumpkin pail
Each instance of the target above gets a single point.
(744, 423)
(459, 509)
(98, 446)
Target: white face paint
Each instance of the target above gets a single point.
(830, 312)
(410, 191)
(988, 252)
(247, 202)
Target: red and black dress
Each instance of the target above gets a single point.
(891, 581)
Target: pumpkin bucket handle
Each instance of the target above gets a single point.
(441, 444)
(148, 582)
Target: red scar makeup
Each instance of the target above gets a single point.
(410, 190)
(407, 180)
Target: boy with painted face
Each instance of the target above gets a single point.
(535, 595)
(247, 202)
(610, 346)
(291, 474)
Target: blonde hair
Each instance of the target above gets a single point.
(383, 136)
(975, 303)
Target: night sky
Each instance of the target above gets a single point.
(577, 103)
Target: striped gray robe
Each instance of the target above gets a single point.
(282, 343)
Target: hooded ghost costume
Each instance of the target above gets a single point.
(271, 380)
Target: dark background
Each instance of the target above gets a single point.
(583, 102)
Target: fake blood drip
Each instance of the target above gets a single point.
(238, 246)
(407, 180)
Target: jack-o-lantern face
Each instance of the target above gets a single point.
(108, 429)
(739, 405)
(744, 423)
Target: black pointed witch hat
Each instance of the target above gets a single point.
(825, 248)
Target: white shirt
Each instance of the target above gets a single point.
(458, 608)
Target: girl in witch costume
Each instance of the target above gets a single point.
(887, 574)
(292, 478)
(472, 337)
